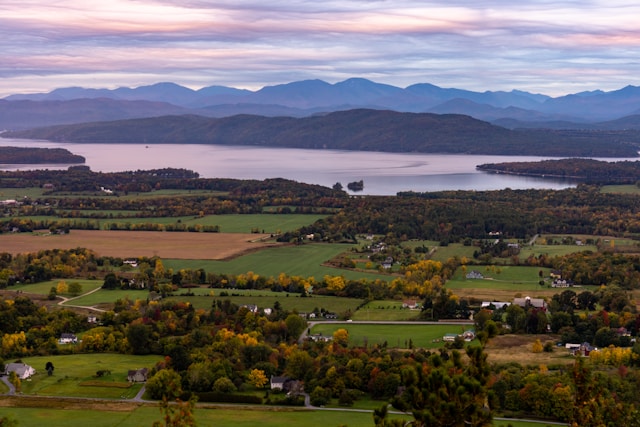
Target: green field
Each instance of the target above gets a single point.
(624, 189)
(203, 298)
(43, 288)
(506, 277)
(219, 417)
(396, 336)
(385, 311)
(302, 260)
(287, 301)
(71, 371)
(233, 223)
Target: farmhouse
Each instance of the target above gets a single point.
(320, 338)
(137, 375)
(530, 302)
(251, 307)
(22, 370)
(410, 304)
(278, 383)
(474, 274)
(66, 338)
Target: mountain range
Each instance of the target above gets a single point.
(596, 110)
(356, 129)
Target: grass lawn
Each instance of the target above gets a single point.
(624, 189)
(220, 417)
(301, 260)
(266, 299)
(517, 279)
(385, 310)
(204, 299)
(443, 253)
(43, 288)
(71, 371)
(109, 296)
(267, 223)
(396, 336)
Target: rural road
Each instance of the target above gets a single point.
(12, 389)
(66, 300)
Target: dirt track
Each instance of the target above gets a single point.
(178, 245)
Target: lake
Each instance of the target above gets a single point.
(382, 173)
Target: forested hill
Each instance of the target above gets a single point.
(587, 170)
(362, 129)
(34, 155)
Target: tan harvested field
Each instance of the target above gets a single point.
(179, 245)
(519, 348)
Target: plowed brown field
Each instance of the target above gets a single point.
(129, 244)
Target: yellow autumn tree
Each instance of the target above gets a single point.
(334, 283)
(258, 378)
(537, 346)
(341, 337)
(62, 287)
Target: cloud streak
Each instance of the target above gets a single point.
(544, 46)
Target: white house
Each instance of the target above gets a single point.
(22, 370)
(66, 338)
(277, 383)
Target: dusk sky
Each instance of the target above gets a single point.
(550, 47)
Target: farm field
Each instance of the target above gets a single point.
(396, 336)
(74, 375)
(385, 311)
(43, 288)
(623, 189)
(295, 260)
(504, 277)
(518, 349)
(218, 416)
(141, 243)
(245, 223)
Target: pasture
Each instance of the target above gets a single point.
(394, 335)
(206, 416)
(385, 311)
(503, 277)
(75, 375)
(295, 260)
(232, 223)
(266, 299)
(43, 288)
(204, 298)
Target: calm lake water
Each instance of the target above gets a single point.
(383, 173)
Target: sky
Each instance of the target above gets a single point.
(541, 46)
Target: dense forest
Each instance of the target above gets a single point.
(452, 216)
(35, 155)
(586, 170)
(360, 129)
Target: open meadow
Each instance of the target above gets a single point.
(295, 260)
(395, 336)
(385, 311)
(232, 223)
(75, 375)
(218, 416)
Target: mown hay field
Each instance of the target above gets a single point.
(124, 244)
